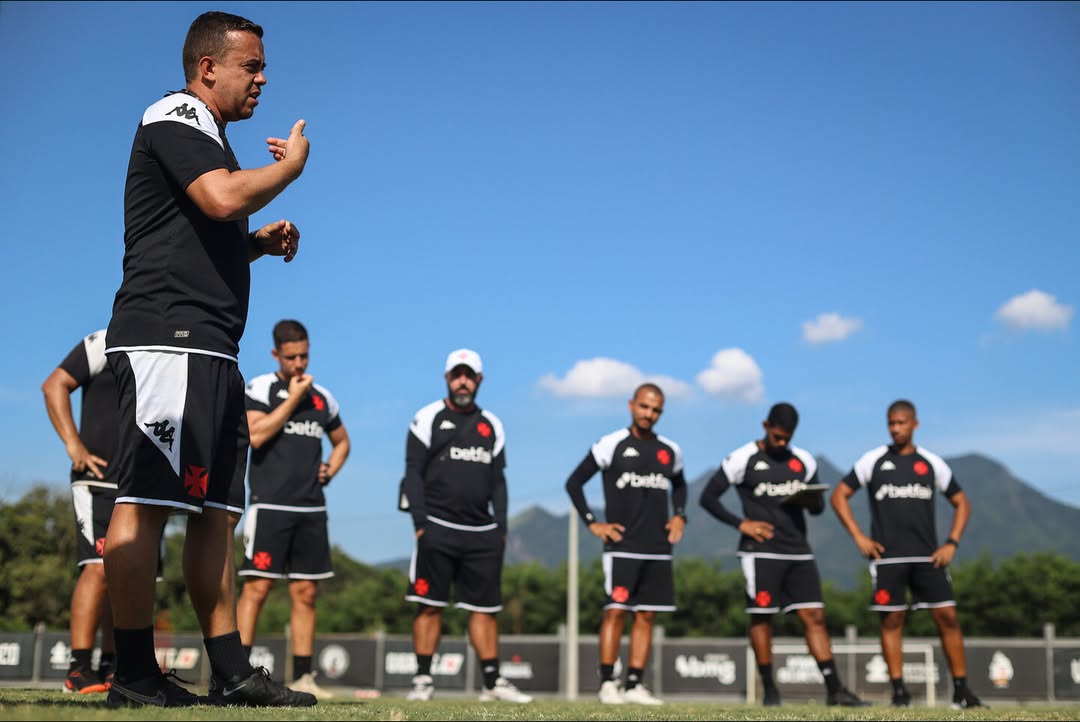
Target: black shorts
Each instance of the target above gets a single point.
(286, 542)
(639, 582)
(890, 579)
(780, 583)
(93, 501)
(471, 561)
(183, 430)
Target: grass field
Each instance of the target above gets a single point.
(24, 704)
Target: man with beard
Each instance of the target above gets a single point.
(776, 481)
(455, 490)
(902, 480)
(639, 468)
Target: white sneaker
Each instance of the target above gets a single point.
(423, 687)
(503, 691)
(306, 683)
(640, 695)
(610, 693)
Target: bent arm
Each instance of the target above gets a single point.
(710, 499)
(57, 389)
(339, 439)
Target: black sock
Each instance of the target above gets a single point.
(959, 684)
(135, 658)
(300, 666)
(247, 650)
(633, 677)
(107, 661)
(765, 670)
(227, 658)
(423, 664)
(490, 668)
(607, 673)
(832, 679)
(898, 687)
(79, 660)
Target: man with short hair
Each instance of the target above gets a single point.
(172, 343)
(285, 528)
(639, 469)
(777, 482)
(902, 480)
(455, 490)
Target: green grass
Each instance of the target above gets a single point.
(25, 704)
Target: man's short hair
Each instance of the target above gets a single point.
(783, 415)
(902, 405)
(288, 331)
(209, 36)
(648, 386)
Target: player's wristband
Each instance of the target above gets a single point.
(952, 541)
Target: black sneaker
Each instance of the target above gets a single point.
(966, 699)
(106, 674)
(158, 691)
(844, 698)
(771, 698)
(83, 682)
(256, 690)
(901, 698)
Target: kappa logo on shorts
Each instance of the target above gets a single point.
(195, 481)
(163, 430)
(262, 560)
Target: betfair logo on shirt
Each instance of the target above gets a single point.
(903, 491)
(474, 453)
(647, 481)
(782, 488)
(312, 429)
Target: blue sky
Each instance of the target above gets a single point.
(832, 204)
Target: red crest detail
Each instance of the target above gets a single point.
(483, 429)
(795, 465)
(99, 546)
(620, 594)
(195, 481)
(261, 560)
(921, 468)
(663, 456)
(882, 596)
(422, 587)
(762, 599)
(317, 402)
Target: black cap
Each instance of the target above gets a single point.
(783, 415)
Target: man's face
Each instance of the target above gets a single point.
(902, 425)
(645, 410)
(292, 358)
(238, 76)
(777, 439)
(462, 383)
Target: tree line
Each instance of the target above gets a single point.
(1012, 597)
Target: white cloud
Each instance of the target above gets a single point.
(608, 378)
(733, 374)
(1035, 309)
(829, 327)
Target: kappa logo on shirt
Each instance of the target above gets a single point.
(888, 466)
(630, 451)
(761, 466)
(186, 112)
(446, 425)
(283, 393)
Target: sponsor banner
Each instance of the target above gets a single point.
(345, 662)
(17, 655)
(447, 666)
(1067, 672)
(707, 668)
(269, 653)
(589, 664)
(1007, 672)
(872, 675)
(530, 665)
(182, 652)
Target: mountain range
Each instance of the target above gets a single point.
(1008, 516)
